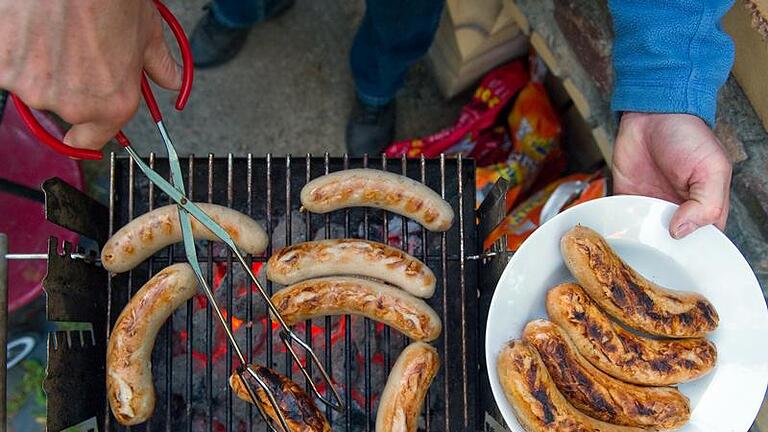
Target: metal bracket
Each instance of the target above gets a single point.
(65, 330)
(72, 209)
(89, 425)
(492, 425)
(76, 298)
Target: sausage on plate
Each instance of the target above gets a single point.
(375, 188)
(538, 405)
(351, 256)
(628, 296)
(598, 394)
(622, 354)
(348, 295)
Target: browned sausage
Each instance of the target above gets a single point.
(347, 295)
(407, 385)
(150, 232)
(351, 256)
(381, 189)
(297, 407)
(628, 296)
(538, 405)
(600, 395)
(130, 390)
(622, 354)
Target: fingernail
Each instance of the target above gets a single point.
(683, 230)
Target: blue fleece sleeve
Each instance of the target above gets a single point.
(670, 56)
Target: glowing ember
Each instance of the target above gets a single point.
(256, 267)
(219, 271)
(236, 322)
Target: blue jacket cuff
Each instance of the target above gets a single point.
(654, 97)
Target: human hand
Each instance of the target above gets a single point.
(675, 157)
(83, 59)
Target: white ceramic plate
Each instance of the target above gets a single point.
(725, 400)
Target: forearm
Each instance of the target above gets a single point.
(671, 56)
(66, 45)
(16, 24)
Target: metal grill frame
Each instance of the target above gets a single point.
(282, 178)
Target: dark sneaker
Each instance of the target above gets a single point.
(214, 43)
(370, 129)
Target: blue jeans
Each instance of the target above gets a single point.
(393, 35)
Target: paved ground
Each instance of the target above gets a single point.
(290, 90)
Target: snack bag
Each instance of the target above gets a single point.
(490, 146)
(495, 91)
(524, 219)
(515, 170)
(534, 123)
(535, 129)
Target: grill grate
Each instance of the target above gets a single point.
(191, 361)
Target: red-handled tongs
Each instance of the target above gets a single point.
(186, 207)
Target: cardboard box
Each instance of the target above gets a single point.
(473, 38)
(747, 23)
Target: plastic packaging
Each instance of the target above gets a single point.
(524, 219)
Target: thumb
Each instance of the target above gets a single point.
(89, 135)
(708, 203)
(160, 65)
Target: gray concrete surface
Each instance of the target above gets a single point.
(289, 91)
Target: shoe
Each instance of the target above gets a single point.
(371, 128)
(214, 43)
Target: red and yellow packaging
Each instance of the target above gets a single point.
(535, 129)
(497, 88)
(524, 219)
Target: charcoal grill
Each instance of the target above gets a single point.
(191, 360)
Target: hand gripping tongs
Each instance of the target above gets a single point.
(175, 190)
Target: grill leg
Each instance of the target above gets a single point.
(3, 327)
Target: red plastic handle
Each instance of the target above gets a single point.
(149, 98)
(186, 61)
(51, 141)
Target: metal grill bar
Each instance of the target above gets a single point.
(462, 286)
(288, 237)
(189, 327)
(367, 331)
(404, 232)
(269, 228)
(328, 328)
(385, 233)
(132, 183)
(169, 324)
(362, 346)
(230, 199)
(347, 333)
(446, 328)
(177, 258)
(249, 287)
(307, 237)
(112, 193)
(209, 315)
(423, 175)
